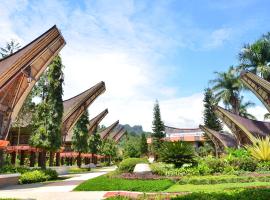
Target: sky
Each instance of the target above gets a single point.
(144, 50)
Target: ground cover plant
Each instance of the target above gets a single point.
(36, 176)
(111, 183)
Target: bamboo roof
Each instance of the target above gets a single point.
(105, 133)
(242, 127)
(93, 123)
(220, 139)
(77, 105)
(259, 86)
(20, 71)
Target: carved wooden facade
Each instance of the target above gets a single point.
(120, 135)
(20, 71)
(118, 130)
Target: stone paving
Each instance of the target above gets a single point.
(61, 190)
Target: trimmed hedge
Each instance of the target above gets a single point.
(222, 179)
(129, 164)
(258, 194)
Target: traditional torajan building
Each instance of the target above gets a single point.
(221, 140)
(116, 132)
(191, 135)
(105, 133)
(20, 71)
(18, 74)
(93, 123)
(75, 107)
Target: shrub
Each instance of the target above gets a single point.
(245, 164)
(177, 153)
(52, 174)
(260, 148)
(263, 166)
(36, 176)
(215, 165)
(128, 165)
(9, 169)
(33, 177)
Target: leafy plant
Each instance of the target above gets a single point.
(128, 164)
(260, 148)
(177, 153)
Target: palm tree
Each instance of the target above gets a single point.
(227, 88)
(10, 48)
(243, 109)
(256, 57)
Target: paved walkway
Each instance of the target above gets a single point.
(56, 190)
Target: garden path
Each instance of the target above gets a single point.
(61, 190)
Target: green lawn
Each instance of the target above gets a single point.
(106, 183)
(213, 187)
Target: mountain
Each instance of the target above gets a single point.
(138, 129)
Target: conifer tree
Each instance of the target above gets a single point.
(210, 119)
(158, 129)
(143, 145)
(80, 136)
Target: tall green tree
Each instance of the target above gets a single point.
(80, 136)
(10, 48)
(55, 104)
(143, 145)
(256, 57)
(94, 144)
(227, 87)
(132, 147)
(109, 149)
(158, 129)
(209, 117)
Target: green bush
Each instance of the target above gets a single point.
(215, 165)
(9, 169)
(245, 164)
(36, 176)
(263, 166)
(51, 173)
(127, 165)
(33, 177)
(177, 153)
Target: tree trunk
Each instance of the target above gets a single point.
(62, 161)
(39, 159)
(32, 159)
(13, 158)
(43, 159)
(57, 162)
(22, 158)
(71, 161)
(79, 160)
(51, 158)
(1, 158)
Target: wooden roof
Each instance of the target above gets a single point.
(259, 86)
(20, 71)
(171, 130)
(220, 139)
(96, 120)
(120, 135)
(242, 127)
(76, 106)
(105, 133)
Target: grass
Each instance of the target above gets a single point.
(213, 187)
(77, 170)
(107, 183)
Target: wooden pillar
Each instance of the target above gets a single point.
(71, 161)
(22, 158)
(57, 161)
(13, 158)
(32, 158)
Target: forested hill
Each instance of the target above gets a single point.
(134, 129)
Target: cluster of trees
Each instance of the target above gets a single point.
(227, 86)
